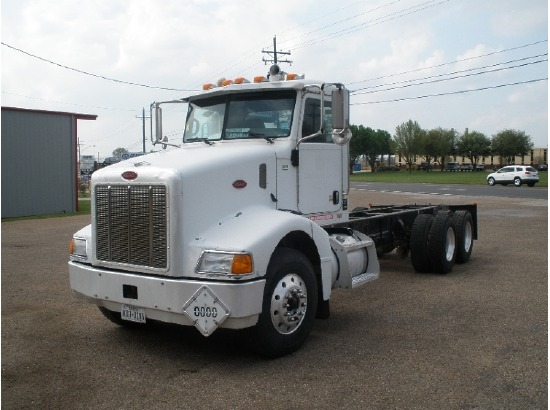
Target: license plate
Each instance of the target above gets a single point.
(133, 314)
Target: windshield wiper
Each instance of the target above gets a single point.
(205, 140)
(259, 135)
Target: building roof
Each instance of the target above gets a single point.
(77, 115)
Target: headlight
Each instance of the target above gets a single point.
(77, 248)
(226, 263)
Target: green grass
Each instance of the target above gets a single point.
(433, 177)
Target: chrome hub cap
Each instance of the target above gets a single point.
(288, 304)
(451, 244)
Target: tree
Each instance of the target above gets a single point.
(408, 141)
(510, 143)
(432, 146)
(356, 143)
(384, 143)
(474, 145)
(439, 145)
(369, 143)
(119, 151)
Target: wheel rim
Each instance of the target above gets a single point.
(288, 304)
(468, 237)
(450, 244)
(517, 182)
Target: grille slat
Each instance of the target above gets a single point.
(131, 224)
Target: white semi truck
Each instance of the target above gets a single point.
(246, 224)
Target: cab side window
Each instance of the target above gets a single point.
(312, 121)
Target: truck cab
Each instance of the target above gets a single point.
(234, 227)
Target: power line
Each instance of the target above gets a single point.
(453, 92)
(343, 20)
(92, 74)
(446, 74)
(450, 78)
(389, 17)
(452, 62)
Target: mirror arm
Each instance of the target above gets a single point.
(322, 119)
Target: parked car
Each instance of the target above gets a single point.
(514, 174)
(466, 167)
(424, 166)
(480, 167)
(452, 166)
(543, 167)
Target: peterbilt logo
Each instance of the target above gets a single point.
(239, 184)
(129, 175)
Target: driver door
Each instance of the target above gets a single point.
(323, 164)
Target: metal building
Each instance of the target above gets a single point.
(39, 161)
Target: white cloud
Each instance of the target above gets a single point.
(184, 44)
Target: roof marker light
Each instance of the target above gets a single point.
(241, 80)
(225, 83)
(207, 86)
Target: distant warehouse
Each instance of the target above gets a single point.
(39, 161)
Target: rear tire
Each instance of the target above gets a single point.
(289, 305)
(418, 245)
(464, 235)
(442, 243)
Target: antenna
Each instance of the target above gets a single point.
(273, 54)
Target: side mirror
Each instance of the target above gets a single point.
(340, 108)
(341, 133)
(158, 123)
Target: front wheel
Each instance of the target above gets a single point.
(491, 181)
(289, 305)
(517, 181)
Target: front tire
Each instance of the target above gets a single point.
(289, 305)
(491, 181)
(517, 181)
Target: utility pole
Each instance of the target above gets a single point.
(274, 54)
(143, 118)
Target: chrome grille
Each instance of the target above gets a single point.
(131, 224)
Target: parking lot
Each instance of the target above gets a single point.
(473, 339)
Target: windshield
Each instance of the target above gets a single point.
(238, 116)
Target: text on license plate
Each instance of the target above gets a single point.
(133, 314)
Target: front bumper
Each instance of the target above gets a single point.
(164, 299)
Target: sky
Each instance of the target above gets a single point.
(461, 64)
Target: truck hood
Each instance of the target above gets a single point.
(199, 158)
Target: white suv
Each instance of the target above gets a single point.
(514, 174)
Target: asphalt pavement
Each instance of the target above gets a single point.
(472, 339)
